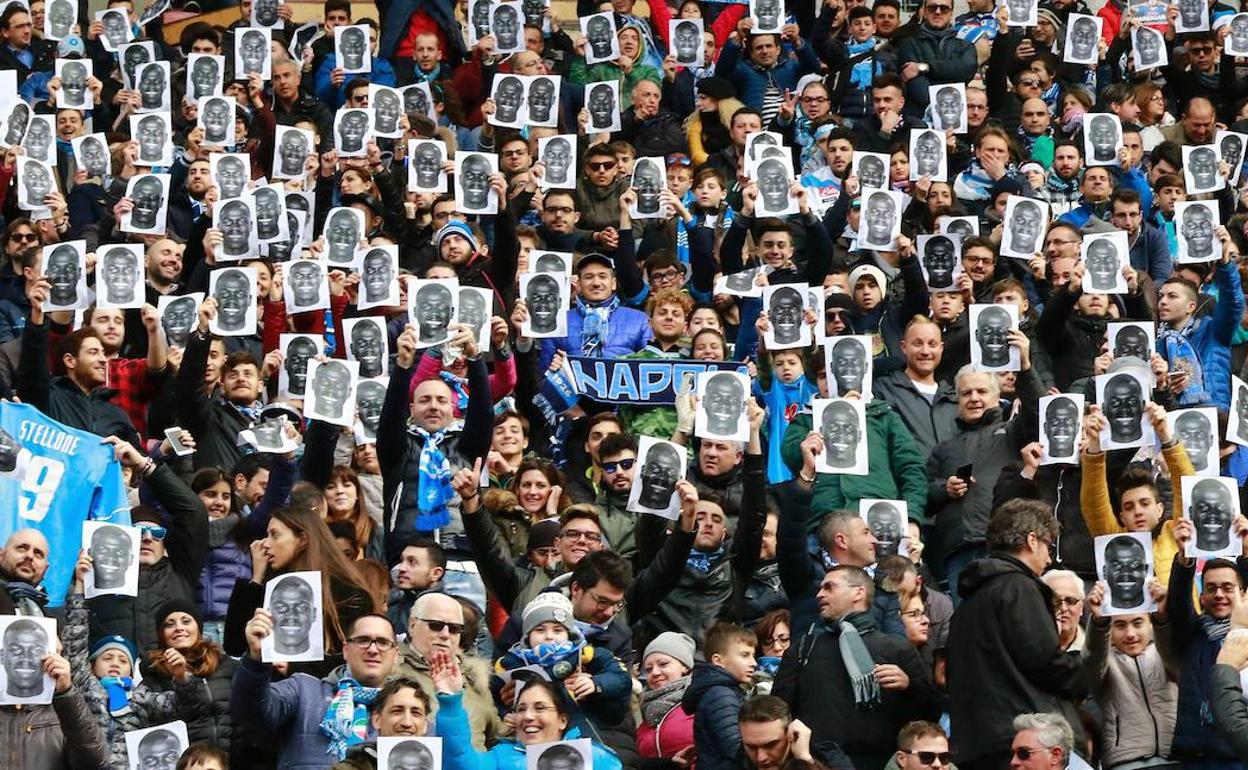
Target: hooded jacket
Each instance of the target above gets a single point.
(1139, 696)
(1005, 658)
(714, 698)
(929, 422)
(705, 140)
(1213, 334)
(1074, 340)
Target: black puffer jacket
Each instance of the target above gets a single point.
(213, 422)
(950, 59)
(1073, 341)
(212, 725)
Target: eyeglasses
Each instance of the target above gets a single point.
(1030, 82)
(364, 642)
(611, 467)
(564, 210)
(604, 604)
(915, 615)
(780, 639)
(1067, 601)
(605, 165)
(580, 534)
(514, 153)
(669, 274)
(1201, 50)
(24, 237)
(153, 531)
(1221, 588)
(814, 99)
(1024, 752)
(436, 626)
(934, 8)
(931, 757)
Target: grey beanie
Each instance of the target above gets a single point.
(548, 606)
(677, 645)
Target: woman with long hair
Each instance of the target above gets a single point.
(298, 540)
(539, 487)
(344, 501)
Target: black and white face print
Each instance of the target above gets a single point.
(306, 286)
(1024, 224)
(842, 422)
(991, 350)
(153, 86)
(1148, 49)
(74, 92)
(36, 180)
(1200, 168)
(344, 229)
(1124, 563)
(367, 344)
(558, 157)
(119, 277)
(352, 48)
(479, 21)
(473, 192)
(1121, 396)
(330, 392)
(234, 289)
(205, 75)
(602, 99)
(1136, 339)
(425, 159)
(507, 25)
(963, 227)
(353, 128)
(541, 100)
(1193, 16)
(1102, 139)
(269, 203)
(1237, 424)
(760, 145)
(1196, 223)
(940, 257)
(297, 351)
(114, 552)
(601, 43)
(379, 277)
(871, 168)
(546, 298)
(1197, 430)
(294, 601)
(15, 123)
(252, 53)
(230, 173)
(293, 148)
(880, 223)
(686, 38)
(387, 106)
(264, 13)
(303, 203)
(509, 106)
(117, 30)
(774, 176)
(847, 361)
(418, 100)
(24, 642)
(889, 523)
(1083, 37)
(216, 118)
(65, 267)
(132, 56)
(154, 135)
(1231, 147)
(150, 196)
(1104, 256)
(59, 19)
(236, 220)
(473, 311)
(649, 182)
(178, 315)
(561, 755)
(557, 262)
(405, 753)
(431, 308)
(1022, 13)
(948, 107)
(370, 397)
(151, 10)
(1236, 41)
(742, 283)
(157, 748)
(785, 306)
(767, 15)
(1061, 424)
(535, 14)
(1211, 504)
(40, 139)
(927, 155)
(721, 411)
(660, 464)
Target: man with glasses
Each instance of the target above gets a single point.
(617, 459)
(288, 707)
(1043, 741)
(16, 50)
(598, 195)
(932, 56)
(560, 219)
(436, 625)
(1005, 658)
(922, 746)
(1068, 596)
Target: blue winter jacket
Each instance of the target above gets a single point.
(382, 75)
(752, 80)
(714, 698)
(628, 331)
(1212, 334)
(508, 754)
(607, 706)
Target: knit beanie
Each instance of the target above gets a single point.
(456, 227)
(114, 642)
(178, 605)
(677, 645)
(549, 606)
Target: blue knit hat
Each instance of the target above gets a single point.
(456, 227)
(114, 642)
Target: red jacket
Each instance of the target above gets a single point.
(674, 733)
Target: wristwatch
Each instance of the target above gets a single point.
(924, 67)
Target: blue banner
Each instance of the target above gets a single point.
(645, 381)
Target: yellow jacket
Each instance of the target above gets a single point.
(1098, 511)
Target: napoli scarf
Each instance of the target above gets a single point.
(434, 492)
(29, 600)
(973, 184)
(1068, 189)
(346, 719)
(547, 653)
(118, 690)
(1181, 354)
(597, 325)
(862, 71)
(457, 385)
(252, 412)
(703, 561)
(1214, 630)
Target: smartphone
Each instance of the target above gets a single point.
(175, 440)
(964, 473)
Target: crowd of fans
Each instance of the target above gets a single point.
(466, 525)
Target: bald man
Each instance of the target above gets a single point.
(23, 563)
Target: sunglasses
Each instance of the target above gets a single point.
(436, 626)
(612, 467)
(1029, 82)
(605, 165)
(24, 237)
(1024, 752)
(153, 531)
(930, 757)
(940, 8)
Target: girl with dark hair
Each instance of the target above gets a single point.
(344, 501)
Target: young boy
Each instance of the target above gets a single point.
(1168, 190)
(783, 389)
(714, 695)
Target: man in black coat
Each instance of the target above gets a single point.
(859, 701)
(1004, 654)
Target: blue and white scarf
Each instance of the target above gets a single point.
(1181, 354)
(434, 491)
(862, 72)
(703, 562)
(456, 384)
(346, 719)
(118, 690)
(548, 653)
(597, 326)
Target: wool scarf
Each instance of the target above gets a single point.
(346, 719)
(656, 704)
(118, 690)
(434, 491)
(597, 325)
